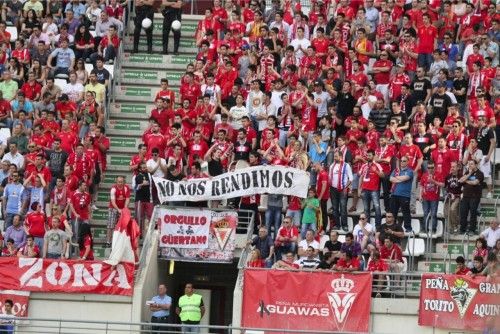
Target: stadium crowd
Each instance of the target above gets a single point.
(391, 102)
(52, 116)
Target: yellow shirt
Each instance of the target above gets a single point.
(99, 90)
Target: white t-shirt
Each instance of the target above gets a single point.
(304, 43)
(237, 114)
(304, 244)
(358, 232)
(150, 164)
(321, 101)
(73, 91)
(213, 91)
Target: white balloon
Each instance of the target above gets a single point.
(176, 25)
(146, 23)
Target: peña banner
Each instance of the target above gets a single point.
(459, 302)
(44, 275)
(309, 301)
(242, 182)
(197, 235)
(20, 299)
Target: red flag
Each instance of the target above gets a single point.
(125, 240)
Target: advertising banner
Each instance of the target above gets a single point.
(309, 301)
(44, 275)
(242, 182)
(20, 299)
(211, 237)
(459, 302)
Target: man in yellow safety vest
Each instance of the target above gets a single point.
(190, 309)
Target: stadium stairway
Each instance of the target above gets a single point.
(137, 83)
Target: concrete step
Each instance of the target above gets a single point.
(119, 127)
(110, 179)
(125, 144)
(150, 77)
(136, 111)
(119, 163)
(156, 61)
(142, 94)
(432, 266)
(455, 248)
(185, 46)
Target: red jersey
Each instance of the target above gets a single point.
(472, 59)
(101, 156)
(322, 177)
(410, 62)
(393, 253)
(321, 45)
(137, 159)
(119, 195)
(60, 197)
(32, 170)
(81, 204)
(352, 138)
(426, 38)
(442, 162)
(71, 184)
(289, 233)
(155, 140)
(31, 90)
(384, 153)
(344, 264)
(35, 222)
(372, 137)
(68, 140)
(396, 83)
(87, 242)
(190, 92)
(412, 152)
(457, 145)
(199, 149)
(430, 190)
(369, 176)
(382, 78)
(82, 165)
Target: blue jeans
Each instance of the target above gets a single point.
(430, 207)
(186, 328)
(286, 248)
(305, 227)
(39, 243)
(339, 206)
(9, 217)
(273, 218)
(369, 197)
(425, 60)
(296, 216)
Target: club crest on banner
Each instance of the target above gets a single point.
(341, 299)
(462, 295)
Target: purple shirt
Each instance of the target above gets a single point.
(354, 248)
(16, 234)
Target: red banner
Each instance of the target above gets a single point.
(321, 301)
(459, 302)
(44, 275)
(20, 299)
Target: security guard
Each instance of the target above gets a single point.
(160, 308)
(171, 12)
(190, 309)
(143, 9)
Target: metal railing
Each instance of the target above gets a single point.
(51, 326)
(146, 244)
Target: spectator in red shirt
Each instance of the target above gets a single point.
(119, 198)
(108, 46)
(80, 207)
(391, 252)
(286, 238)
(31, 88)
(86, 242)
(347, 262)
(461, 268)
(30, 249)
(36, 224)
(369, 186)
(427, 42)
(429, 195)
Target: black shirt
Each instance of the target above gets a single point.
(484, 136)
(333, 247)
(215, 167)
(473, 191)
(457, 85)
(242, 151)
(57, 160)
(401, 117)
(422, 142)
(452, 185)
(419, 88)
(143, 193)
(102, 74)
(439, 104)
(386, 227)
(380, 118)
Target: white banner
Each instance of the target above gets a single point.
(241, 182)
(185, 228)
